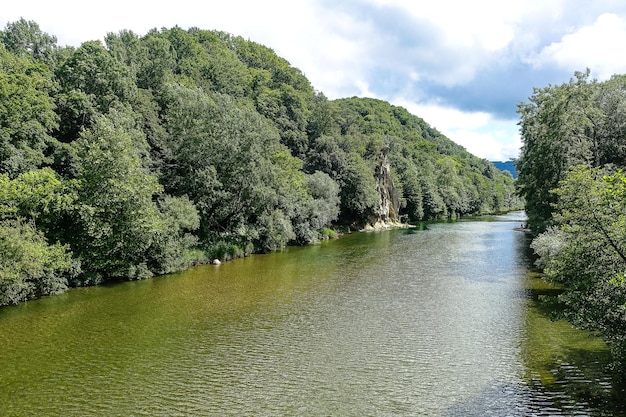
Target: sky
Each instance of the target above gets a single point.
(462, 66)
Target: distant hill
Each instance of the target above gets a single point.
(506, 166)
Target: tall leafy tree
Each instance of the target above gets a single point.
(33, 262)
(92, 81)
(578, 122)
(116, 217)
(26, 113)
(160, 65)
(24, 38)
(39, 197)
(319, 210)
(611, 121)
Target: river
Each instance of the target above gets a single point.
(437, 321)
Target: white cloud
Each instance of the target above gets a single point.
(445, 118)
(483, 24)
(598, 47)
(478, 132)
(331, 48)
(469, 36)
(496, 145)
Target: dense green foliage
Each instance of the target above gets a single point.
(29, 266)
(147, 154)
(570, 172)
(579, 122)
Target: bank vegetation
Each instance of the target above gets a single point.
(571, 173)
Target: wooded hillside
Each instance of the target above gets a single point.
(150, 153)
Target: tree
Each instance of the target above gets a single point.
(116, 217)
(409, 178)
(318, 209)
(280, 92)
(93, 70)
(26, 114)
(26, 39)
(31, 206)
(585, 252)
(92, 81)
(323, 116)
(358, 189)
(611, 123)
(229, 161)
(160, 65)
(174, 243)
(128, 49)
(561, 127)
(29, 266)
(39, 197)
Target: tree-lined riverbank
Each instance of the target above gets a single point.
(151, 153)
(571, 175)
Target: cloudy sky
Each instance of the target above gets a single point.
(460, 65)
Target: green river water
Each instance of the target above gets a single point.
(435, 322)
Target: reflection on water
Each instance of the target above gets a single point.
(439, 321)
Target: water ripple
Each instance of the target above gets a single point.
(434, 323)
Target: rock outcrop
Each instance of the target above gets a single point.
(387, 211)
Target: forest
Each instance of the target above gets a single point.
(146, 154)
(571, 173)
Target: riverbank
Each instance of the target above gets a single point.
(382, 225)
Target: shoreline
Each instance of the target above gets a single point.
(381, 226)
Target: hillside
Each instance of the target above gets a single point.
(147, 154)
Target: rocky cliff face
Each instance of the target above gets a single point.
(388, 208)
